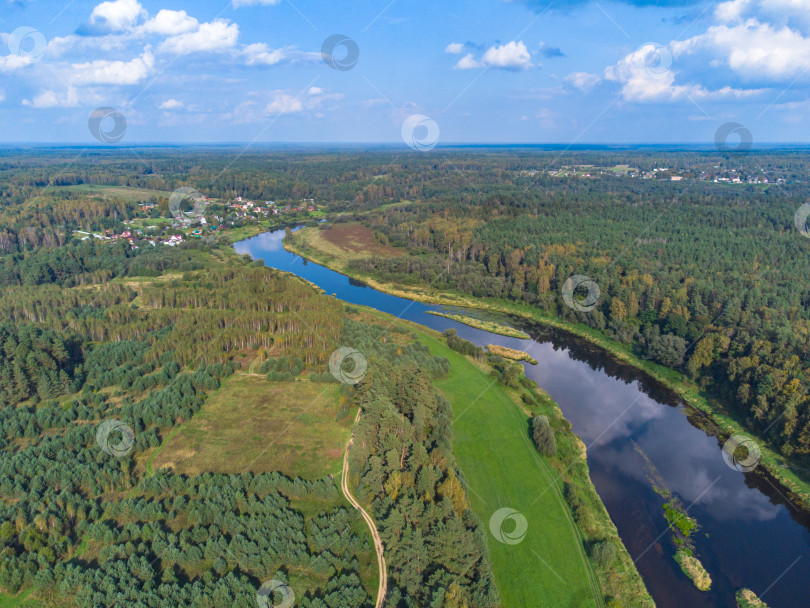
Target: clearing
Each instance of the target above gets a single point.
(254, 425)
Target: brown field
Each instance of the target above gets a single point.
(358, 241)
(255, 425)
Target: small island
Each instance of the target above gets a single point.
(748, 599)
(490, 326)
(511, 353)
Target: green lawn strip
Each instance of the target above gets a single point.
(776, 465)
(503, 469)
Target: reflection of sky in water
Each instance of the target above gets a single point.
(744, 540)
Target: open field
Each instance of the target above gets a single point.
(344, 242)
(122, 192)
(251, 424)
(18, 601)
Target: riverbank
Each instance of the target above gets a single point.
(490, 418)
(772, 465)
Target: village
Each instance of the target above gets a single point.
(150, 228)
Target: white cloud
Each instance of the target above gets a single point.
(117, 15)
(644, 78)
(454, 48)
(315, 91)
(171, 23)
(753, 49)
(218, 35)
(283, 103)
(582, 81)
(106, 72)
(261, 54)
(510, 56)
(240, 3)
(467, 62)
(52, 99)
(9, 63)
(172, 104)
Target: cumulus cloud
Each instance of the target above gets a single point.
(583, 81)
(52, 99)
(172, 104)
(454, 48)
(218, 35)
(645, 78)
(170, 23)
(752, 49)
(9, 63)
(116, 16)
(510, 56)
(283, 103)
(101, 71)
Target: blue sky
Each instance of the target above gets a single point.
(483, 71)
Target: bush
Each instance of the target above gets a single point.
(543, 436)
(603, 553)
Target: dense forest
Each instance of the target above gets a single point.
(707, 279)
(107, 348)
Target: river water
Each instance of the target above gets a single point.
(639, 437)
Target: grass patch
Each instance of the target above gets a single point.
(20, 599)
(121, 192)
(490, 326)
(511, 353)
(748, 599)
(254, 425)
(692, 568)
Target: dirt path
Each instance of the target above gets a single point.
(375, 535)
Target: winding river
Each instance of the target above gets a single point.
(639, 437)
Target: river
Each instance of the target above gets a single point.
(749, 535)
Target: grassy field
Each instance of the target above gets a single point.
(503, 470)
(122, 192)
(251, 424)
